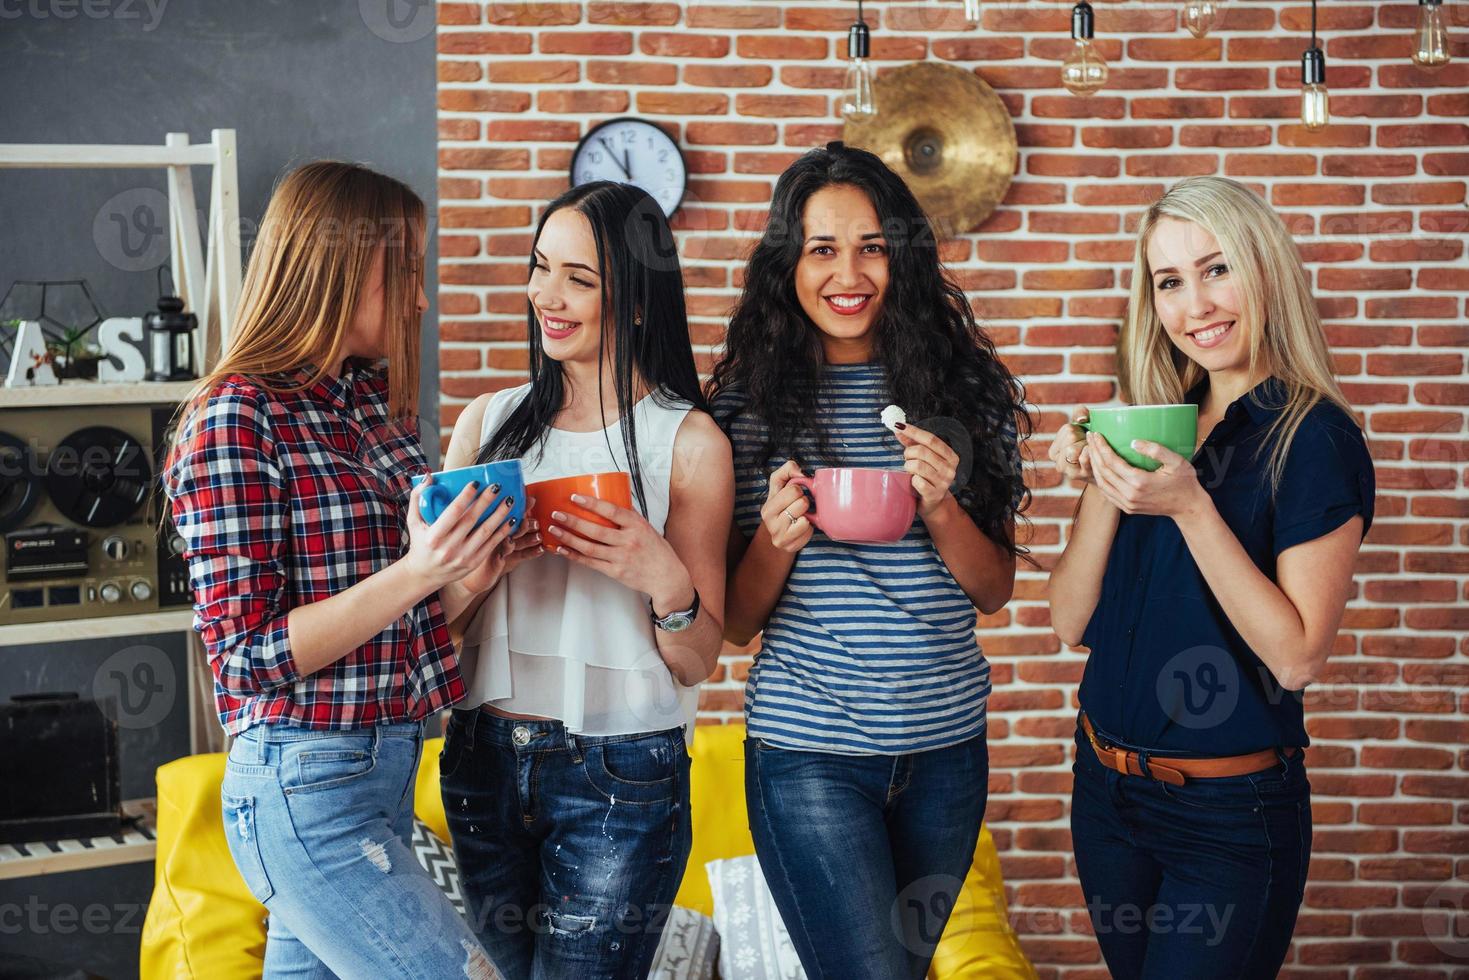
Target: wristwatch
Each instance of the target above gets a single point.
(675, 622)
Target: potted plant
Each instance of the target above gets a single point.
(73, 356)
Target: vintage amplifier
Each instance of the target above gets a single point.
(80, 508)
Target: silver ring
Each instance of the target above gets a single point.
(789, 517)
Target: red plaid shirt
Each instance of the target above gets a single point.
(288, 499)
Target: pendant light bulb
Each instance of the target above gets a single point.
(857, 99)
(1085, 70)
(1431, 41)
(971, 14)
(1200, 15)
(1315, 113)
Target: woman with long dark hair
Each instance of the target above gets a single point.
(1209, 592)
(322, 597)
(866, 761)
(565, 779)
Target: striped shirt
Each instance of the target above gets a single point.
(870, 649)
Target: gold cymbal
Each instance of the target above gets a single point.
(948, 135)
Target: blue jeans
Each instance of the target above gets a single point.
(866, 854)
(570, 847)
(1201, 880)
(320, 824)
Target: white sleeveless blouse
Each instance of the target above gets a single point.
(557, 639)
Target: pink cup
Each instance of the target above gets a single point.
(861, 506)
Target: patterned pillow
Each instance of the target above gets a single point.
(753, 942)
(437, 859)
(687, 950)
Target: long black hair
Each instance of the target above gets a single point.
(937, 359)
(637, 261)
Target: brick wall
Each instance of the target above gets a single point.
(1378, 204)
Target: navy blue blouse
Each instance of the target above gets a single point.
(1168, 671)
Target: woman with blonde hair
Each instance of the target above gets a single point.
(1209, 592)
(323, 599)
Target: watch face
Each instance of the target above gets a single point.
(632, 151)
(678, 622)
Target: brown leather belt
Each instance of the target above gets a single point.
(1175, 771)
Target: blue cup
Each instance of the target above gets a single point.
(448, 484)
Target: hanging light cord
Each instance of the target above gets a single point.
(1313, 20)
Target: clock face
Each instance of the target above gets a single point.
(632, 151)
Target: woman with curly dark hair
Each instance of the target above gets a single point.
(866, 761)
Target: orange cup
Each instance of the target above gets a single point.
(556, 495)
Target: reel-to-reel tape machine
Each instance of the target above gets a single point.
(79, 510)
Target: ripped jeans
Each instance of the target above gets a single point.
(570, 847)
(320, 824)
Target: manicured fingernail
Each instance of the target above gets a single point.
(473, 485)
(536, 538)
(556, 515)
(1137, 444)
(577, 498)
(555, 530)
(900, 425)
(509, 501)
(494, 488)
(560, 551)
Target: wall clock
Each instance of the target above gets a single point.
(633, 151)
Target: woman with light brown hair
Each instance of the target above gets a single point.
(1208, 591)
(323, 599)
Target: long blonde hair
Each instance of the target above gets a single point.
(1275, 301)
(309, 267)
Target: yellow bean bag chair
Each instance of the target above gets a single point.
(203, 922)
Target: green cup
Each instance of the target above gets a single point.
(1173, 426)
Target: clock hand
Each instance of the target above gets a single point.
(613, 154)
(626, 163)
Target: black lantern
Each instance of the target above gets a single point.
(168, 334)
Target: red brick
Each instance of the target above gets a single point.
(1226, 136)
(1333, 135)
(1222, 79)
(1062, 165)
(731, 133)
(493, 42)
(533, 71)
(483, 158)
(584, 101)
(781, 105)
(784, 48)
(631, 73)
(1173, 49)
(1269, 165)
(606, 43)
(542, 13)
(728, 76)
(1424, 134)
(532, 131)
(661, 45)
(482, 100)
(1077, 107)
(633, 14)
(744, 17)
(683, 103)
(976, 48)
(1446, 164)
(1177, 108)
(460, 71)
